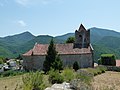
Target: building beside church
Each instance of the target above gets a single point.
(81, 51)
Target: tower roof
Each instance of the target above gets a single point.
(81, 28)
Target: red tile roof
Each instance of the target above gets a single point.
(41, 49)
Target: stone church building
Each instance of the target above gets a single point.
(80, 51)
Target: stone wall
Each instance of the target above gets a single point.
(33, 62)
(84, 60)
(36, 62)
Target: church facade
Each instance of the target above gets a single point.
(81, 51)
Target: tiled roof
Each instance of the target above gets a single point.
(41, 49)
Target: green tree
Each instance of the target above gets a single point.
(58, 64)
(75, 66)
(70, 40)
(52, 59)
(108, 59)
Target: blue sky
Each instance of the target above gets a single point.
(56, 17)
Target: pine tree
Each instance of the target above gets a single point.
(75, 66)
(50, 57)
(58, 64)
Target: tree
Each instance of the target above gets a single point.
(58, 64)
(108, 59)
(70, 40)
(75, 66)
(52, 58)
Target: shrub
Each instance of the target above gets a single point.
(102, 68)
(55, 77)
(77, 84)
(113, 68)
(68, 74)
(92, 71)
(83, 80)
(75, 66)
(84, 76)
(33, 81)
(97, 70)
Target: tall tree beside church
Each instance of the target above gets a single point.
(70, 40)
(52, 59)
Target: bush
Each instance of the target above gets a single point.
(97, 70)
(55, 77)
(83, 80)
(33, 81)
(68, 74)
(84, 76)
(77, 84)
(102, 68)
(113, 68)
(75, 66)
(93, 71)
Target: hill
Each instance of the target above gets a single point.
(9, 46)
(103, 41)
(98, 33)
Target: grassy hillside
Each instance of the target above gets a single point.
(103, 41)
(106, 81)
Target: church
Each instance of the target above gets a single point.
(81, 51)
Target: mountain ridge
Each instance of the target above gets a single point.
(101, 39)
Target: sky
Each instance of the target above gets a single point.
(57, 17)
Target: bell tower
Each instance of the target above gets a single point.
(82, 37)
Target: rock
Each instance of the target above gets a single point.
(63, 86)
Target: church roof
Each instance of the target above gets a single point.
(41, 49)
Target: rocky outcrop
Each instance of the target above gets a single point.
(63, 86)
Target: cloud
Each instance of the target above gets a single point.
(22, 23)
(23, 2)
(34, 2)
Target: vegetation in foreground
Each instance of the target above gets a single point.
(82, 78)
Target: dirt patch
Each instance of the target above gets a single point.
(11, 83)
(107, 81)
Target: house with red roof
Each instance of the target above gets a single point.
(81, 51)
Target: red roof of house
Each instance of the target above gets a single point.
(41, 49)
